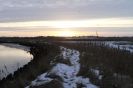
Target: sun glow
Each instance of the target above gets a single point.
(64, 28)
(108, 22)
(65, 33)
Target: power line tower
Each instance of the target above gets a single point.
(97, 34)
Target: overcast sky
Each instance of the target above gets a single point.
(28, 10)
(17, 14)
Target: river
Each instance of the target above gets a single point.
(12, 57)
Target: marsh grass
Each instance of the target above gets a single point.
(108, 61)
(43, 54)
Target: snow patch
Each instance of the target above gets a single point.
(123, 45)
(68, 73)
(97, 73)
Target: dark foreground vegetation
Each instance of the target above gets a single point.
(55, 39)
(114, 65)
(43, 54)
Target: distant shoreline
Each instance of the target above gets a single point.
(18, 46)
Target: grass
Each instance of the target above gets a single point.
(52, 84)
(108, 61)
(114, 65)
(43, 54)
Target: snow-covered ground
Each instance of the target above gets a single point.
(97, 74)
(123, 45)
(68, 73)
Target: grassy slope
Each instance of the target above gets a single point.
(43, 54)
(108, 61)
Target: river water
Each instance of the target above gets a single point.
(12, 57)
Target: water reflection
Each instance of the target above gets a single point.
(12, 58)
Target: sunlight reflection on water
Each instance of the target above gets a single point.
(11, 59)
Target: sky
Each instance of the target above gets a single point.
(66, 17)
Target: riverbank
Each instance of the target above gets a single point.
(18, 46)
(12, 58)
(104, 66)
(42, 55)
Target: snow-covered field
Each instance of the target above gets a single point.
(68, 73)
(123, 45)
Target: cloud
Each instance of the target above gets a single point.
(110, 22)
(53, 3)
(16, 10)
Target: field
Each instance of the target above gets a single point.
(72, 63)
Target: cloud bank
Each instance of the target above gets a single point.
(23, 10)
